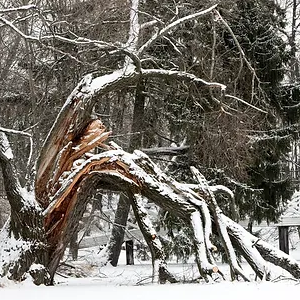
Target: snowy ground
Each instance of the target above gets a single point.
(89, 289)
(99, 288)
(134, 282)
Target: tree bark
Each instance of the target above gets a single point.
(151, 237)
(66, 220)
(25, 226)
(139, 175)
(118, 230)
(134, 174)
(68, 171)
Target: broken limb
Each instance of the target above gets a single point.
(159, 264)
(221, 227)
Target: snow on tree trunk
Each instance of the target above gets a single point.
(137, 174)
(159, 264)
(45, 234)
(67, 169)
(22, 240)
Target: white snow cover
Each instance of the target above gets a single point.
(29, 200)
(11, 248)
(102, 288)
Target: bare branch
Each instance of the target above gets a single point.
(128, 49)
(171, 26)
(242, 53)
(235, 40)
(213, 52)
(12, 131)
(246, 103)
(101, 45)
(172, 151)
(20, 8)
(157, 20)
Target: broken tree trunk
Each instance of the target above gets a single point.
(134, 174)
(137, 174)
(68, 171)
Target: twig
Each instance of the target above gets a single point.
(141, 281)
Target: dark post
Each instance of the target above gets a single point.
(129, 252)
(284, 238)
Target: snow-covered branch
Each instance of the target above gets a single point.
(113, 48)
(172, 151)
(13, 131)
(18, 31)
(181, 75)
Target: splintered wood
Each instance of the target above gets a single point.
(62, 190)
(93, 136)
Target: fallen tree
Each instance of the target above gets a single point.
(44, 218)
(39, 236)
(136, 175)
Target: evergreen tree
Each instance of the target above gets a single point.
(257, 25)
(233, 144)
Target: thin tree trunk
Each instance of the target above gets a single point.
(118, 230)
(294, 60)
(74, 246)
(123, 208)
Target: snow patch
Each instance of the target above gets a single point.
(10, 248)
